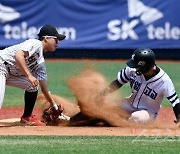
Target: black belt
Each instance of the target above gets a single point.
(5, 63)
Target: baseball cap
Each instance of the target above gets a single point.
(50, 30)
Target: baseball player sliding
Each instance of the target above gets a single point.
(149, 83)
(23, 66)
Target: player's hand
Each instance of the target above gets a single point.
(177, 122)
(55, 106)
(33, 80)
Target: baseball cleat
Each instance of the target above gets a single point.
(31, 121)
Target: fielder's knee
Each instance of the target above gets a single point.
(32, 89)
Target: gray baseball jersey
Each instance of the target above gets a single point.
(10, 73)
(35, 60)
(148, 94)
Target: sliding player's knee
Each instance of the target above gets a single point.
(141, 117)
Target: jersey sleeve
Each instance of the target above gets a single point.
(31, 46)
(170, 92)
(123, 75)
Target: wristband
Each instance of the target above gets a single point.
(55, 106)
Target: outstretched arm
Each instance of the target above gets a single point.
(47, 94)
(113, 86)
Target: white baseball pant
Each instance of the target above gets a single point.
(11, 80)
(140, 116)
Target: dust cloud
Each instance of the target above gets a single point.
(86, 86)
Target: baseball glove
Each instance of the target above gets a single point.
(53, 117)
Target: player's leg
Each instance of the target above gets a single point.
(2, 88)
(30, 97)
(30, 100)
(137, 116)
(30, 94)
(142, 117)
(128, 107)
(3, 75)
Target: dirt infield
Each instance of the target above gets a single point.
(85, 87)
(165, 117)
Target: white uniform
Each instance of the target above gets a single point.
(147, 95)
(11, 75)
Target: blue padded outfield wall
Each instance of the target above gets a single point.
(94, 24)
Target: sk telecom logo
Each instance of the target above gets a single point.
(8, 14)
(137, 12)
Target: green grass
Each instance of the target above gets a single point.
(60, 71)
(88, 145)
(58, 74)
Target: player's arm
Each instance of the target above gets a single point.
(47, 94)
(20, 60)
(113, 86)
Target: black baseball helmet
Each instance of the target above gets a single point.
(142, 58)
